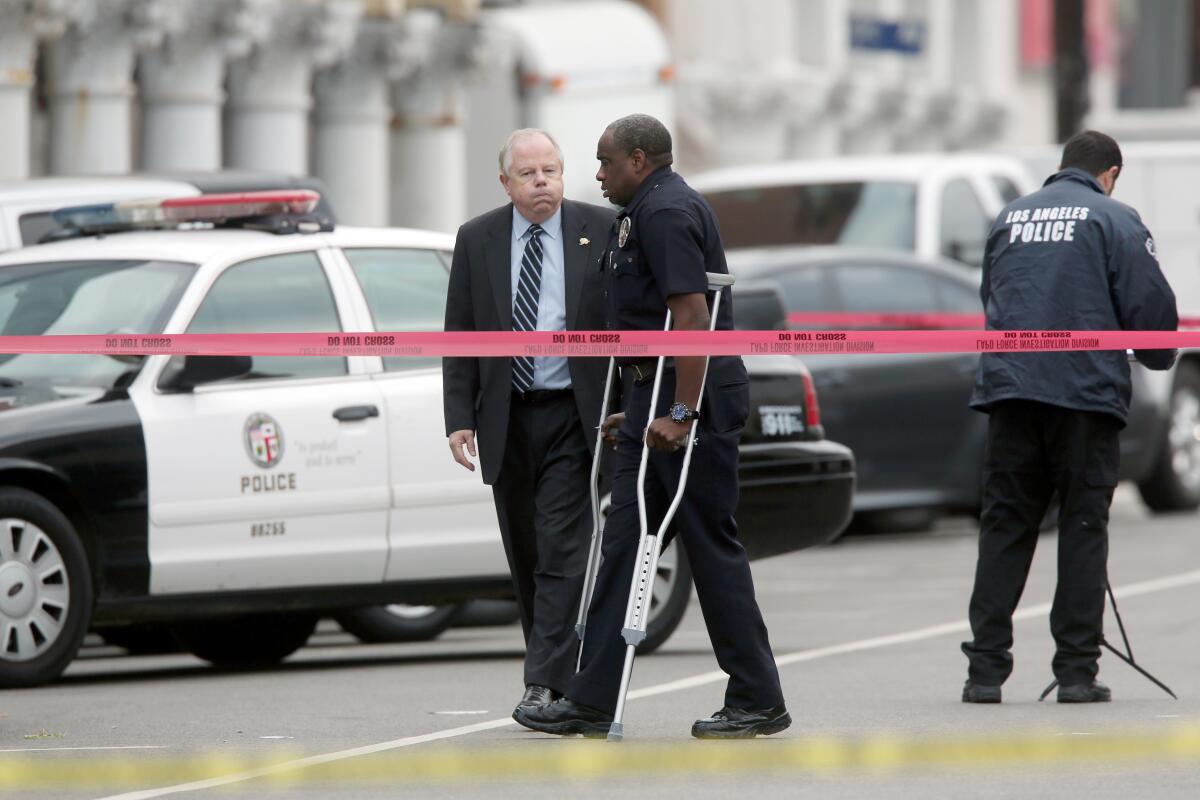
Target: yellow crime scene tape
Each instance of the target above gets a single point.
(593, 760)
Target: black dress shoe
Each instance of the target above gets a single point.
(979, 693)
(738, 723)
(564, 718)
(1094, 692)
(535, 696)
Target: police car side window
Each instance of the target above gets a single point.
(881, 288)
(286, 294)
(405, 291)
(964, 225)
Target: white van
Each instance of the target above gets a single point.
(567, 80)
(937, 206)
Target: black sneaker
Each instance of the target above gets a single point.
(738, 723)
(978, 693)
(1094, 692)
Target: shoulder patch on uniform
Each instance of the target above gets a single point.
(1151, 248)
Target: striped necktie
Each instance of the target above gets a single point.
(525, 305)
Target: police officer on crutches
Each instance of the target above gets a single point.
(662, 245)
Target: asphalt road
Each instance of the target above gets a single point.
(867, 634)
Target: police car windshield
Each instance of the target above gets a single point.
(83, 297)
(878, 214)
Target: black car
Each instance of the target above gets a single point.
(917, 444)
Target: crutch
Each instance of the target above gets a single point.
(593, 562)
(650, 545)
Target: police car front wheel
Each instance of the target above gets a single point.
(45, 589)
(246, 642)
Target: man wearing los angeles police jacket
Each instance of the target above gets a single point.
(1067, 257)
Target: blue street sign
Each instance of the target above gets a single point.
(873, 33)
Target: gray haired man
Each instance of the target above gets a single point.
(532, 264)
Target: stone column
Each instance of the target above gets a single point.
(25, 25)
(350, 127)
(181, 84)
(90, 77)
(266, 124)
(428, 139)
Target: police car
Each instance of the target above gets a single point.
(238, 499)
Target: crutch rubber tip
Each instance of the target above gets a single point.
(616, 732)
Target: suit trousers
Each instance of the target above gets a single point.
(706, 526)
(1033, 450)
(543, 505)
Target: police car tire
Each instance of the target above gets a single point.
(1164, 490)
(141, 640)
(247, 642)
(377, 624)
(35, 509)
(666, 615)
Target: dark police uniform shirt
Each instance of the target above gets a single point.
(672, 242)
(1068, 257)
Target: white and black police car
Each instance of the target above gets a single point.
(237, 499)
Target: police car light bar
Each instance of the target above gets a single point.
(205, 208)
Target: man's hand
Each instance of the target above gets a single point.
(457, 440)
(667, 435)
(611, 423)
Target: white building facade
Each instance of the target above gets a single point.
(376, 97)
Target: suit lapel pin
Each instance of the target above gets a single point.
(584, 241)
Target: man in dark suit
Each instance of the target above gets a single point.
(532, 265)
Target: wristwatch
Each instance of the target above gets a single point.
(679, 412)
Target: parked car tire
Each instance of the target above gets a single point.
(45, 590)
(1174, 485)
(398, 623)
(897, 520)
(487, 612)
(257, 640)
(141, 640)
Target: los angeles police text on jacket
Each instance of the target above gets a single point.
(1054, 224)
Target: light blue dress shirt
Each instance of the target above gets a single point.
(548, 372)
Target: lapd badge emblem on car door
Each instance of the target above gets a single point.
(264, 440)
(623, 234)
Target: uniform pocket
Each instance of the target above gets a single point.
(1103, 465)
(628, 286)
(727, 407)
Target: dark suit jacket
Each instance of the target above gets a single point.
(477, 391)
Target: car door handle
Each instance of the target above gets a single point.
(355, 413)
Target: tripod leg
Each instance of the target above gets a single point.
(1127, 656)
(1132, 663)
(1116, 613)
